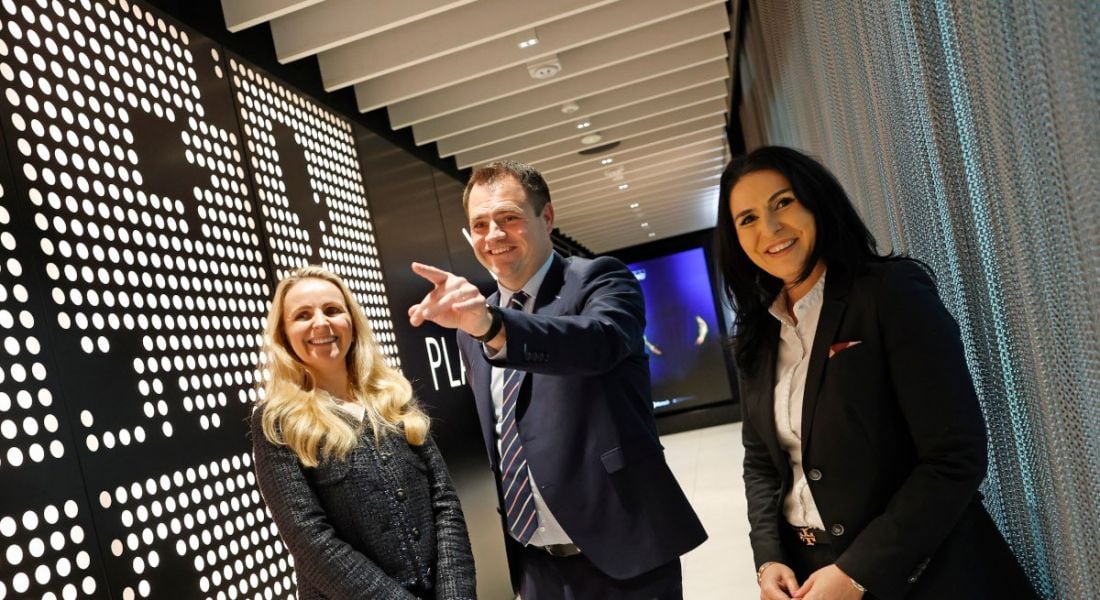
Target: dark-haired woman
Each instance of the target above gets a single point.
(864, 442)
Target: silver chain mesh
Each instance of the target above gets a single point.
(968, 133)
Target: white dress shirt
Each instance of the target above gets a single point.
(795, 343)
(549, 530)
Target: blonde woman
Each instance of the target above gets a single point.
(357, 487)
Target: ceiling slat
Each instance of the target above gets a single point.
(596, 102)
(588, 165)
(715, 157)
(711, 123)
(640, 69)
(491, 56)
(601, 55)
(591, 106)
(242, 14)
(647, 188)
(613, 239)
(608, 122)
(701, 204)
(650, 161)
(441, 34)
(701, 212)
(575, 217)
(697, 113)
(336, 22)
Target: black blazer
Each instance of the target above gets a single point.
(585, 416)
(894, 428)
(385, 523)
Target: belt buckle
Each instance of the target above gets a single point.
(562, 550)
(806, 536)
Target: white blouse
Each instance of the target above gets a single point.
(795, 343)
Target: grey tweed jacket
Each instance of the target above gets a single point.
(384, 524)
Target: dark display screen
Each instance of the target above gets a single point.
(683, 335)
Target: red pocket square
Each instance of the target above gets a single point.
(839, 347)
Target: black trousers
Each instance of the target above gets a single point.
(546, 577)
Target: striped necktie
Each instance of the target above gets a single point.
(515, 479)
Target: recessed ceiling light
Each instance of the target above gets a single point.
(584, 125)
(570, 108)
(646, 224)
(634, 205)
(592, 138)
(526, 39)
(652, 234)
(624, 186)
(607, 161)
(544, 69)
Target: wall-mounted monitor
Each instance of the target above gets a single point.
(683, 333)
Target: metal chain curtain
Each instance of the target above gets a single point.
(968, 133)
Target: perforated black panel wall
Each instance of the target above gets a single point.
(152, 190)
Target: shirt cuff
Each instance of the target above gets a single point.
(498, 355)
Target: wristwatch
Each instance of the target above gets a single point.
(495, 324)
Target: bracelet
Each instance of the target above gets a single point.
(857, 586)
(495, 324)
(763, 567)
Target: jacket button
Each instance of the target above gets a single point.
(814, 475)
(837, 530)
(400, 494)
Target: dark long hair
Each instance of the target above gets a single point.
(842, 241)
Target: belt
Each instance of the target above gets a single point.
(811, 536)
(560, 550)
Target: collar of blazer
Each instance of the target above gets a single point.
(551, 285)
(832, 313)
(760, 388)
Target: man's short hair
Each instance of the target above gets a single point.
(534, 186)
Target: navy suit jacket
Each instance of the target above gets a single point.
(585, 416)
(893, 431)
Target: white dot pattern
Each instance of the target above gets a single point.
(29, 424)
(212, 517)
(168, 286)
(118, 257)
(45, 553)
(342, 237)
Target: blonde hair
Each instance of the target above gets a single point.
(308, 420)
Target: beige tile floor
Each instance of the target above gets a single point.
(707, 462)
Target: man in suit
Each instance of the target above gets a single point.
(557, 364)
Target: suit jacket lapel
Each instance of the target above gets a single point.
(548, 291)
(761, 393)
(551, 284)
(832, 313)
(482, 373)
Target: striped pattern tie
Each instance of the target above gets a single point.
(515, 479)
